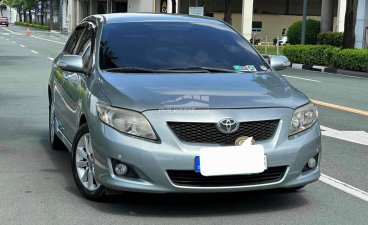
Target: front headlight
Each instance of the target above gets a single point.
(126, 121)
(303, 118)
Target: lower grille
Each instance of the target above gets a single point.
(208, 132)
(193, 179)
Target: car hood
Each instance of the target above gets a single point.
(142, 92)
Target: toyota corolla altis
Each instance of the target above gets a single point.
(171, 103)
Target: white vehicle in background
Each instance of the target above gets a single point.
(283, 40)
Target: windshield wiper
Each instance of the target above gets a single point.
(131, 70)
(200, 68)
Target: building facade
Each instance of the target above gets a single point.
(260, 18)
(9, 12)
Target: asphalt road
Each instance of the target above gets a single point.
(37, 186)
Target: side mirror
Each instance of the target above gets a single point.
(71, 63)
(279, 62)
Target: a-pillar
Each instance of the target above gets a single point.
(361, 24)
(341, 10)
(327, 15)
(247, 18)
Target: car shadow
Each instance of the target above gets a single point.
(177, 205)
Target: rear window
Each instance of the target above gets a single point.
(166, 44)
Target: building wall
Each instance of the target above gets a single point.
(272, 25)
(11, 13)
(281, 7)
(141, 6)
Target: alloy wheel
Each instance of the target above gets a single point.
(84, 163)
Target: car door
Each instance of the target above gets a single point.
(60, 77)
(75, 83)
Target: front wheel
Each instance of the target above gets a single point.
(83, 166)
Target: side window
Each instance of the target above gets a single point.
(84, 48)
(73, 41)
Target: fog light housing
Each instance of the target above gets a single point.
(312, 163)
(121, 169)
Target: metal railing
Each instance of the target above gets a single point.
(267, 45)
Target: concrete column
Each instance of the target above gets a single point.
(78, 8)
(341, 10)
(109, 6)
(361, 24)
(177, 6)
(90, 7)
(327, 15)
(247, 18)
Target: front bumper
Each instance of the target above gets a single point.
(151, 160)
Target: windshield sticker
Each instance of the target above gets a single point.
(247, 68)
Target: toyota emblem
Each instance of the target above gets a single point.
(228, 125)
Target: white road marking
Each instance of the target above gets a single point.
(344, 187)
(52, 59)
(58, 42)
(34, 51)
(302, 78)
(358, 137)
(341, 75)
(22, 46)
(10, 30)
(14, 42)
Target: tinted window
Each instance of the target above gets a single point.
(159, 45)
(73, 41)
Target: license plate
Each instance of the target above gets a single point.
(234, 160)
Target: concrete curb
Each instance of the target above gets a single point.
(325, 69)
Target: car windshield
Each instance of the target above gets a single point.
(176, 46)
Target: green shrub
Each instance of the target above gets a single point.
(311, 32)
(351, 59)
(34, 25)
(310, 54)
(348, 59)
(330, 38)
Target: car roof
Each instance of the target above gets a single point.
(144, 17)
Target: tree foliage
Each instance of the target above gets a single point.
(295, 31)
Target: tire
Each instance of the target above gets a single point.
(83, 166)
(55, 141)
